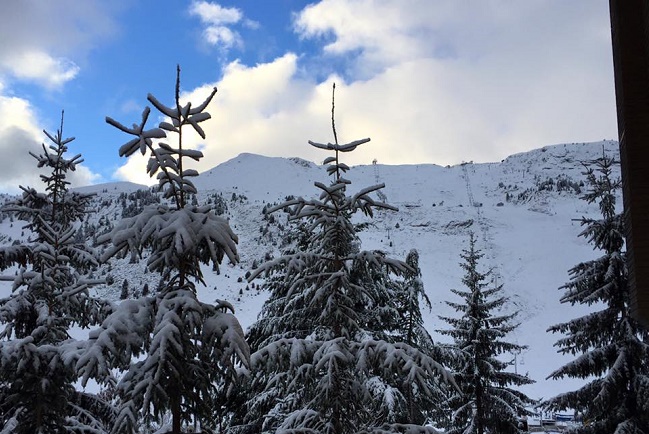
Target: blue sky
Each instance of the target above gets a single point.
(430, 81)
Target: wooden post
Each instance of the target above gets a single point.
(630, 38)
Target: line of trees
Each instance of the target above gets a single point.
(339, 346)
(611, 347)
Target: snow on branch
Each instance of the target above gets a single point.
(401, 429)
(348, 147)
(191, 231)
(121, 336)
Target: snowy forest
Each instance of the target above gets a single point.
(342, 342)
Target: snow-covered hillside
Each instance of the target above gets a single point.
(522, 210)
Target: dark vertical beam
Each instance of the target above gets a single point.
(630, 37)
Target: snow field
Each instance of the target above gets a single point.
(530, 244)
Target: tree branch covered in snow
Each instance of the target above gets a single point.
(325, 358)
(609, 344)
(49, 296)
(189, 350)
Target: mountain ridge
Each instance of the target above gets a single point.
(521, 209)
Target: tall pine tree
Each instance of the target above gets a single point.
(487, 403)
(321, 363)
(49, 296)
(610, 344)
(410, 291)
(188, 349)
(409, 328)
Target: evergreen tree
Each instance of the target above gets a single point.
(49, 296)
(189, 348)
(610, 344)
(321, 364)
(409, 328)
(412, 330)
(486, 403)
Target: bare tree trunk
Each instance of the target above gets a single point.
(479, 409)
(175, 413)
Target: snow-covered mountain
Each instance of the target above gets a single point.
(522, 209)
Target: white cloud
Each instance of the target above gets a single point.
(385, 31)
(16, 113)
(39, 41)
(222, 36)
(213, 13)
(82, 176)
(134, 170)
(484, 79)
(40, 67)
(19, 135)
(429, 81)
(216, 20)
(264, 109)
(251, 24)
(131, 106)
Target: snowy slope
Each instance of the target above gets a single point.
(111, 188)
(525, 228)
(529, 242)
(261, 178)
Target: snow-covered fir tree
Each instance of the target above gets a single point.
(409, 328)
(321, 361)
(487, 402)
(411, 324)
(49, 296)
(187, 349)
(611, 347)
